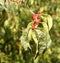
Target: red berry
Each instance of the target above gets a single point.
(35, 16)
(35, 20)
(21, 1)
(33, 27)
(38, 12)
(38, 21)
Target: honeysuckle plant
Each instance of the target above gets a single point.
(24, 30)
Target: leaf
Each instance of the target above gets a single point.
(2, 31)
(34, 36)
(44, 18)
(44, 43)
(44, 40)
(32, 1)
(49, 22)
(30, 25)
(36, 60)
(48, 40)
(24, 39)
(45, 26)
(26, 36)
(2, 2)
(2, 41)
(41, 9)
(29, 34)
(7, 22)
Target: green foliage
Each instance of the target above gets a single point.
(19, 43)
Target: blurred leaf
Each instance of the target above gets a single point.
(45, 26)
(24, 39)
(49, 22)
(2, 41)
(30, 34)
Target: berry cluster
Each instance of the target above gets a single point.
(36, 20)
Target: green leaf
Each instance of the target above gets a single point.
(44, 43)
(30, 34)
(44, 18)
(2, 31)
(2, 41)
(42, 9)
(7, 22)
(34, 36)
(24, 39)
(45, 26)
(30, 25)
(44, 40)
(49, 22)
(2, 2)
(32, 1)
(36, 60)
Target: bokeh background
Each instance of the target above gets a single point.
(9, 49)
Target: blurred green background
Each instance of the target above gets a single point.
(52, 55)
